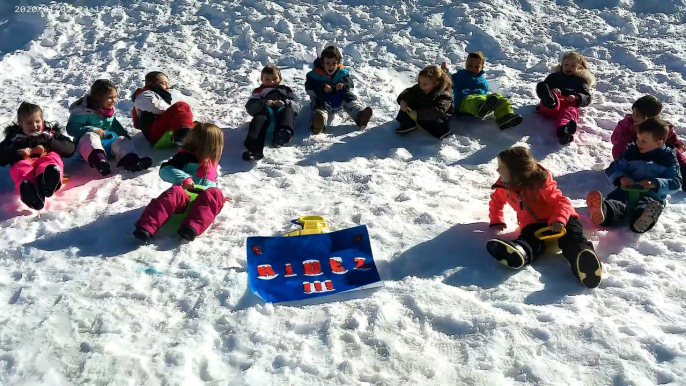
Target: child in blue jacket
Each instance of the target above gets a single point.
(470, 93)
(648, 163)
(328, 86)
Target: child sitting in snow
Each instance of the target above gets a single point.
(90, 118)
(271, 103)
(195, 165)
(430, 103)
(563, 92)
(625, 133)
(328, 86)
(35, 149)
(530, 190)
(470, 93)
(153, 113)
(648, 163)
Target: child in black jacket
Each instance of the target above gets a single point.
(35, 150)
(274, 108)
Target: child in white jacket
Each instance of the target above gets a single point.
(155, 115)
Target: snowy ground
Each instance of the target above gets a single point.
(76, 308)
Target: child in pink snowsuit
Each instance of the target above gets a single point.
(35, 150)
(564, 92)
(194, 165)
(644, 108)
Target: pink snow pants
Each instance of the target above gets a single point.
(206, 207)
(563, 112)
(29, 170)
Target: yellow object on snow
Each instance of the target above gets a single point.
(311, 225)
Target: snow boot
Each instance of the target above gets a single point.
(31, 196)
(565, 133)
(133, 163)
(188, 233)
(486, 107)
(513, 254)
(318, 122)
(545, 95)
(249, 156)
(363, 117)
(281, 138)
(510, 120)
(648, 218)
(142, 235)
(49, 181)
(588, 269)
(596, 207)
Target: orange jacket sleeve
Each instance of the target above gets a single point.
(563, 208)
(495, 207)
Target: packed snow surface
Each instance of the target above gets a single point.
(82, 302)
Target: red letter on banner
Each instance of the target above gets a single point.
(265, 272)
(312, 267)
(336, 267)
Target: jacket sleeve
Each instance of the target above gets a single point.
(294, 104)
(76, 127)
(617, 170)
(438, 110)
(563, 208)
(254, 106)
(495, 207)
(348, 80)
(173, 175)
(150, 102)
(622, 137)
(314, 85)
(404, 96)
(482, 86)
(674, 141)
(8, 154)
(583, 95)
(671, 181)
(62, 145)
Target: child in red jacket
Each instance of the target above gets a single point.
(530, 190)
(644, 108)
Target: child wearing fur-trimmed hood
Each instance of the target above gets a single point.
(564, 92)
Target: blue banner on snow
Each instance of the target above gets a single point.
(284, 269)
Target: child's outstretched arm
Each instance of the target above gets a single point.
(495, 209)
(172, 170)
(314, 86)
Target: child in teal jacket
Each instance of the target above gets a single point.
(470, 93)
(91, 117)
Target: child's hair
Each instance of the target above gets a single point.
(152, 76)
(478, 55)
(648, 106)
(577, 56)
(206, 141)
(332, 52)
(658, 128)
(271, 70)
(98, 91)
(523, 167)
(437, 76)
(27, 109)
